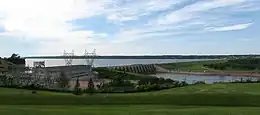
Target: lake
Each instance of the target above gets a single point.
(207, 79)
(108, 62)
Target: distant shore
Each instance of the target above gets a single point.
(240, 74)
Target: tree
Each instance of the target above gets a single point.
(77, 90)
(63, 80)
(7, 80)
(91, 86)
(16, 59)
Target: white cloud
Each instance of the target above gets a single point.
(46, 21)
(193, 11)
(134, 9)
(231, 28)
(47, 18)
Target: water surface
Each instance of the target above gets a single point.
(108, 62)
(207, 79)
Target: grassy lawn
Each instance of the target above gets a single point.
(198, 95)
(127, 110)
(208, 99)
(220, 88)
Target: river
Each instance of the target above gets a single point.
(207, 79)
(108, 62)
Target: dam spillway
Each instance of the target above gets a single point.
(137, 68)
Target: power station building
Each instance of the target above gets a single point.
(48, 76)
(3, 66)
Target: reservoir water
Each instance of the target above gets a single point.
(108, 62)
(118, 62)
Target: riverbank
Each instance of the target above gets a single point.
(239, 67)
(240, 74)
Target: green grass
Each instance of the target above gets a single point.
(127, 110)
(228, 88)
(198, 95)
(196, 66)
(207, 99)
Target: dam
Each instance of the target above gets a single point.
(137, 68)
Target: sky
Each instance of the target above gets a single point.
(129, 27)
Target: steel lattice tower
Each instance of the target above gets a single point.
(68, 57)
(89, 57)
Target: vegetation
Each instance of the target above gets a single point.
(208, 99)
(196, 66)
(126, 109)
(118, 84)
(196, 95)
(15, 59)
(77, 89)
(91, 87)
(245, 64)
(63, 81)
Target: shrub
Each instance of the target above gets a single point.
(199, 82)
(78, 91)
(91, 87)
(34, 92)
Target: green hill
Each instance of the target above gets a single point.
(215, 94)
(208, 99)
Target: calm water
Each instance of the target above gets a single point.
(206, 79)
(108, 62)
(118, 62)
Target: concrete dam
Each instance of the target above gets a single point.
(138, 68)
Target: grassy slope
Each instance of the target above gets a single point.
(198, 100)
(198, 66)
(126, 110)
(190, 66)
(202, 95)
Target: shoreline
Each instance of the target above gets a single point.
(218, 74)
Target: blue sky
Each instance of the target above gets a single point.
(129, 27)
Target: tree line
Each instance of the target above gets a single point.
(15, 59)
(240, 64)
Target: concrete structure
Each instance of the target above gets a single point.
(6, 67)
(47, 76)
(136, 68)
(3, 66)
(70, 71)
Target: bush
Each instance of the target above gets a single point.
(183, 83)
(199, 82)
(78, 91)
(34, 92)
(89, 90)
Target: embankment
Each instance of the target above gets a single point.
(218, 74)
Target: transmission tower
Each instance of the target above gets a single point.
(68, 57)
(89, 57)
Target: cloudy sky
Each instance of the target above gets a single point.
(129, 27)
